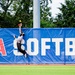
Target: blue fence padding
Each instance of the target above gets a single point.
(44, 45)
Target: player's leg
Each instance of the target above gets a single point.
(22, 51)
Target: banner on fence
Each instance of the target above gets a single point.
(44, 46)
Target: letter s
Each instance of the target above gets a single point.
(15, 51)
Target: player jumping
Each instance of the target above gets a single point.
(19, 40)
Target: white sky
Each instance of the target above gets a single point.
(54, 6)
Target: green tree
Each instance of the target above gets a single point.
(67, 16)
(23, 12)
(5, 4)
(5, 13)
(46, 19)
(13, 10)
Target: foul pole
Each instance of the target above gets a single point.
(36, 13)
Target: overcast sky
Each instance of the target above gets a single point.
(54, 6)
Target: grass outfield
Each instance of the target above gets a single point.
(37, 70)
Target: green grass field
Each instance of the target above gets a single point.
(37, 70)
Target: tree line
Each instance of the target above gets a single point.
(11, 11)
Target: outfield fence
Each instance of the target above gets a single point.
(44, 46)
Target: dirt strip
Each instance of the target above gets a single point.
(37, 64)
